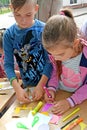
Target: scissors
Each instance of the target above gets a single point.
(20, 125)
(35, 120)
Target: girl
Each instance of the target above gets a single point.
(61, 39)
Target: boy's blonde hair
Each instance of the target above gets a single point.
(17, 4)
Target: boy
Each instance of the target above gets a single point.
(23, 40)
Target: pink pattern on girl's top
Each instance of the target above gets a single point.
(70, 78)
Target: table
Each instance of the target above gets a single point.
(6, 97)
(60, 95)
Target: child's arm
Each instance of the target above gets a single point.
(79, 96)
(22, 96)
(38, 91)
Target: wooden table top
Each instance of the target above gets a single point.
(6, 96)
(60, 95)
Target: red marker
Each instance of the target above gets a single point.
(47, 92)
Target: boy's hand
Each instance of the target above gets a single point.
(60, 107)
(37, 93)
(48, 99)
(22, 96)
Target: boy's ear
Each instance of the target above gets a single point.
(36, 7)
(11, 7)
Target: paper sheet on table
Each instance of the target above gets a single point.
(13, 124)
(43, 119)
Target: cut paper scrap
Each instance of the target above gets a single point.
(45, 113)
(23, 107)
(43, 119)
(55, 119)
(46, 107)
(83, 126)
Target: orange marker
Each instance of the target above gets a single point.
(72, 125)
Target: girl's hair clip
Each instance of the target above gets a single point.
(62, 13)
(83, 42)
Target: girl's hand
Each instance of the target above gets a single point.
(22, 96)
(37, 93)
(48, 99)
(60, 107)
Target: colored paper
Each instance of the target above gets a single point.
(46, 107)
(55, 119)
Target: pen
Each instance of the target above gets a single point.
(72, 125)
(70, 121)
(3, 93)
(47, 92)
(72, 113)
(36, 109)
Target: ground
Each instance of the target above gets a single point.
(6, 20)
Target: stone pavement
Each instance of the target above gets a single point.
(80, 15)
(6, 20)
(80, 11)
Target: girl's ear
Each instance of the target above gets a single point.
(76, 43)
(77, 46)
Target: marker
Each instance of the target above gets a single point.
(72, 125)
(72, 113)
(3, 93)
(70, 121)
(47, 92)
(36, 109)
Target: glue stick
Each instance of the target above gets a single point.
(37, 108)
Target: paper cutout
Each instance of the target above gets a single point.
(46, 107)
(55, 119)
(23, 107)
(17, 110)
(45, 113)
(83, 125)
(43, 119)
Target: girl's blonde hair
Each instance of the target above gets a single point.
(59, 28)
(17, 4)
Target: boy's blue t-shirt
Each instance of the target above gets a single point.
(32, 58)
